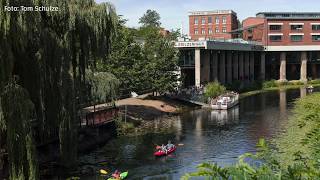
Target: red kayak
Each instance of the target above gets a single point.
(161, 153)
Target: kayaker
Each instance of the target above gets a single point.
(116, 174)
(164, 148)
(169, 145)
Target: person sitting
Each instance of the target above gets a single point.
(116, 175)
(164, 148)
(169, 145)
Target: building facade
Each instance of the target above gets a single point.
(209, 25)
(291, 40)
(278, 45)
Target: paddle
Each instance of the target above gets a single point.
(104, 172)
(180, 144)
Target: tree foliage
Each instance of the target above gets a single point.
(19, 113)
(214, 89)
(302, 151)
(143, 59)
(150, 18)
(103, 86)
(50, 52)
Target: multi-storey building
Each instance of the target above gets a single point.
(292, 37)
(277, 45)
(212, 24)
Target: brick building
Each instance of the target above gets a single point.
(277, 45)
(211, 25)
(291, 37)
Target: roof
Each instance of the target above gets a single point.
(289, 15)
(195, 13)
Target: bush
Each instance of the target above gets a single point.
(315, 81)
(269, 84)
(295, 82)
(214, 89)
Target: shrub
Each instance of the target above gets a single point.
(315, 81)
(214, 89)
(295, 82)
(269, 84)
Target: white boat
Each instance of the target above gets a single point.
(310, 88)
(225, 101)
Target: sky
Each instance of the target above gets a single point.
(174, 13)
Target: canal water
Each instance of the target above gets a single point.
(206, 135)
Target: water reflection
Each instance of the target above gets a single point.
(207, 135)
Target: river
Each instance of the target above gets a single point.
(206, 135)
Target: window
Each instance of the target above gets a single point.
(196, 21)
(275, 38)
(209, 30)
(296, 27)
(315, 37)
(224, 29)
(217, 30)
(209, 20)
(217, 20)
(296, 38)
(195, 31)
(203, 31)
(275, 27)
(224, 20)
(203, 20)
(316, 27)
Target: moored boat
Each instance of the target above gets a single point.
(225, 101)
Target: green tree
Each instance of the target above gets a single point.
(150, 18)
(125, 60)
(50, 52)
(162, 61)
(19, 113)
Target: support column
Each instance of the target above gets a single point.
(205, 70)
(241, 66)
(229, 66)
(314, 71)
(214, 70)
(235, 65)
(251, 66)
(283, 73)
(303, 68)
(263, 66)
(222, 68)
(247, 65)
(197, 67)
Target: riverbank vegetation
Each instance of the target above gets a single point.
(259, 87)
(296, 156)
(213, 90)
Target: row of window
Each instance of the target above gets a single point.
(295, 27)
(293, 38)
(209, 19)
(217, 30)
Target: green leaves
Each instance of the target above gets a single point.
(305, 158)
(150, 18)
(214, 89)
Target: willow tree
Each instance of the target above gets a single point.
(50, 52)
(19, 112)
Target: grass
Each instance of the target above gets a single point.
(272, 85)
